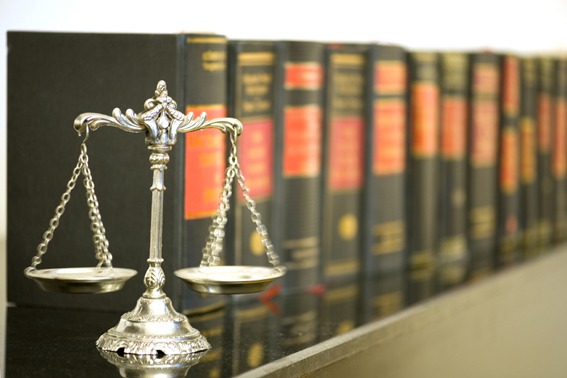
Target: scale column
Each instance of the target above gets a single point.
(155, 278)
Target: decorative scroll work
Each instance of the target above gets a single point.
(161, 121)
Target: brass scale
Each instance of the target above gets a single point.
(154, 327)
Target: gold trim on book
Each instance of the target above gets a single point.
(347, 59)
(256, 59)
(334, 269)
(312, 241)
(207, 40)
(205, 106)
(255, 119)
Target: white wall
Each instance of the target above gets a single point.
(521, 26)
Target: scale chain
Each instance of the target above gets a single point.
(213, 247)
(99, 238)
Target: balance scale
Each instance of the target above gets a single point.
(154, 327)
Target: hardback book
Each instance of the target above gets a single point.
(299, 124)
(384, 210)
(453, 249)
(508, 218)
(528, 158)
(343, 161)
(54, 77)
(423, 172)
(559, 156)
(251, 100)
(545, 116)
(482, 153)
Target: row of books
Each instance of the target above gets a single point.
(363, 159)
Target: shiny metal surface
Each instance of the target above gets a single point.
(154, 327)
(229, 279)
(146, 366)
(82, 280)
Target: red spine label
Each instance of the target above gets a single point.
(485, 79)
(390, 77)
(255, 154)
(509, 163)
(544, 122)
(559, 147)
(346, 153)
(302, 141)
(484, 132)
(204, 166)
(389, 137)
(425, 113)
(453, 127)
(528, 163)
(303, 76)
(511, 88)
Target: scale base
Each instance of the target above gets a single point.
(153, 327)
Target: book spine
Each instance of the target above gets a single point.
(545, 72)
(385, 172)
(453, 249)
(528, 159)
(509, 163)
(559, 163)
(423, 173)
(340, 308)
(482, 174)
(382, 295)
(205, 155)
(299, 117)
(343, 161)
(251, 85)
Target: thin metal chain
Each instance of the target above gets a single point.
(101, 244)
(211, 255)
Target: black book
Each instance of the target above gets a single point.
(61, 75)
(528, 159)
(299, 117)
(508, 219)
(545, 116)
(343, 161)
(251, 100)
(482, 153)
(559, 158)
(453, 249)
(384, 232)
(423, 172)
(382, 295)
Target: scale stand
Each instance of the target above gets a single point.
(153, 327)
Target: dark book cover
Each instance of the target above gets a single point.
(559, 156)
(508, 219)
(482, 153)
(299, 118)
(205, 157)
(297, 323)
(384, 211)
(251, 92)
(53, 78)
(453, 250)
(528, 159)
(545, 117)
(423, 171)
(251, 101)
(66, 74)
(343, 160)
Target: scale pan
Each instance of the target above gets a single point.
(82, 280)
(229, 279)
